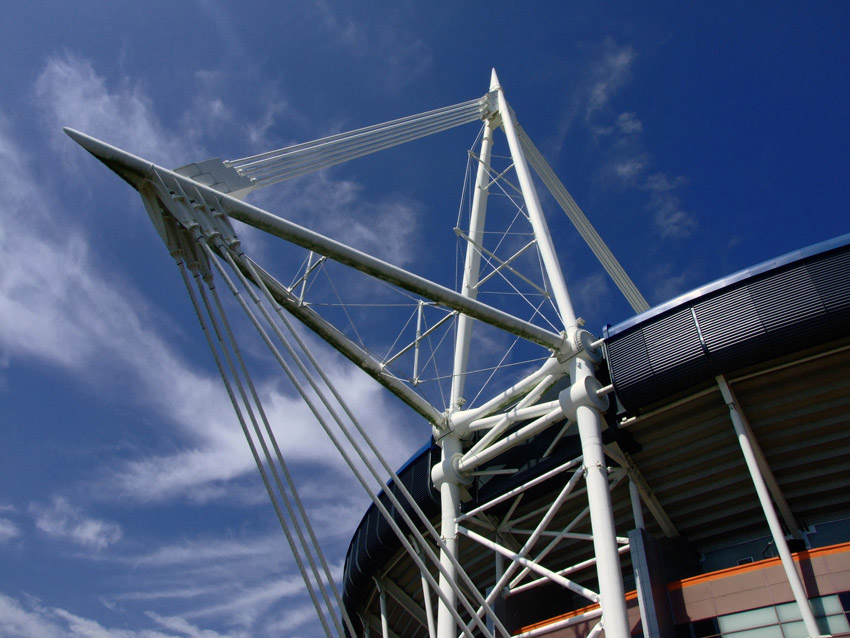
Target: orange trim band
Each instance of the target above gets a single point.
(807, 554)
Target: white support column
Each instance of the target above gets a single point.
(743, 432)
(583, 405)
(444, 475)
(429, 607)
(637, 510)
(382, 599)
(535, 212)
(472, 266)
(446, 481)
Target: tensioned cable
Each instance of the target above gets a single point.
(332, 138)
(375, 450)
(345, 310)
(489, 368)
(433, 359)
(306, 162)
(532, 540)
(504, 356)
(615, 481)
(275, 166)
(197, 266)
(581, 223)
(296, 498)
(333, 437)
(249, 267)
(252, 446)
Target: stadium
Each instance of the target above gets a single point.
(778, 334)
(683, 473)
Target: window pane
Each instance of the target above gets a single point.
(748, 620)
(763, 632)
(796, 629)
(788, 611)
(834, 625)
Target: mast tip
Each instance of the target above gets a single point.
(494, 81)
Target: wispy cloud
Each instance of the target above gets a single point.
(670, 217)
(28, 617)
(401, 55)
(57, 304)
(71, 93)
(622, 140)
(246, 582)
(63, 521)
(386, 227)
(610, 73)
(8, 530)
(183, 626)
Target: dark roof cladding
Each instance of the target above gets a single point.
(796, 301)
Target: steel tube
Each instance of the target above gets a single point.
(514, 415)
(747, 445)
(135, 170)
(530, 564)
(450, 508)
(535, 214)
(471, 461)
(471, 268)
(550, 367)
(611, 591)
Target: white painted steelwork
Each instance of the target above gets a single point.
(193, 220)
(748, 446)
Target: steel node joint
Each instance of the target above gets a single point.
(578, 342)
(583, 393)
(448, 471)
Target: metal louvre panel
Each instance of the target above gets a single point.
(727, 321)
(784, 301)
(831, 276)
(631, 371)
(773, 313)
(675, 351)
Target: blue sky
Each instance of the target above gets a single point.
(699, 139)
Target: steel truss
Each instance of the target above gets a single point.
(191, 208)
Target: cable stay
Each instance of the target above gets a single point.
(208, 231)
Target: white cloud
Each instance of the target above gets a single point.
(8, 530)
(240, 581)
(667, 282)
(629, 123)
(399, 53)
(57, 305)
(71, 93)
(30, 618)
(629, 168)
(64, 521)
(670, 218)
(386, 227)
(210, 551)
(609, 74)
(621, 139)
(183, 626)
(294, 617)
(18, 622)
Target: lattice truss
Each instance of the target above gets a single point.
(484, 393)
